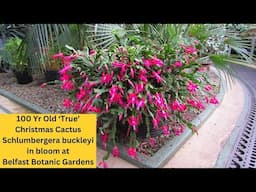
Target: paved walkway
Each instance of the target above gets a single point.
(8, 106)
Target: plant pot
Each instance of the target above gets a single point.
(51, 75)
(23, 77)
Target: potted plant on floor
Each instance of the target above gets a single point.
(15, 55)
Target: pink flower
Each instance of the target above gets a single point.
(190, 50)
(178, 130)
(157, 76)
(166, 130)
(57, 56)
(104, 139)
(68, 85)
(147, 63)
(43, 85)
(155, 122)
(117, 64)
(152, 141)
(132, 152)
(178, 64)
(115, 152)
(132, 73)
(140, 103)
(131, 99)
(206, 99)
(81, 94)
(65, 77)
(199, 105)
(152, 62)
(139, 87)
(159, 100)
(115, 96)
(201, 69)
(92, 52)
(191, 87)
(66, 60)
(65, 69)
(175, 105)
(67, 103)
(143, 75)
(133, 121)
(162, 114)
(102, 164)
(95, 109)
(120, 117)
(106, 78)
(214, 100)
(77, 106)
(208, 87)
(157, 62)
(149, 97)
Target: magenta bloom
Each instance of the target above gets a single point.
(92, 52)
(133, 121)
(149, 97)
(201, 69)
(166, 130)
(65, 69)
(65, 77)
(132, 73)
(115, 152)
(143, 75)
(67, 103)
(104, 139)
(190, 50)
(43, 85)
(152, 141)
(175, 105)
(117, 64)
(81, 94)
(106, 78)
(159, 100)
(214, 100)
(102, 164)
(208, 87)
(68, 85)
(157, 76)
(152, 62)
(139, 87)
(155, 122)
(132, 152)
(157, 62)
(131, 99)
(200, 105)
(147, 63)
(66, 60)
(140, 103)
(58, 55)
(179, 130)
(178, 64)
(162, 114)
(191, 87)
(77, 106)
